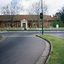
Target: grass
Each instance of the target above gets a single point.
(31, 28)
(53, 28)
(57, 55)
(0, 37)
(19, 28)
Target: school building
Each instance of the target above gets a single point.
(26, 20)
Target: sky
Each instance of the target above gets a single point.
(52, 5)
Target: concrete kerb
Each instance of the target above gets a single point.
(47, 52)
(2, 39)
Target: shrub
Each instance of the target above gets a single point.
(60, 23)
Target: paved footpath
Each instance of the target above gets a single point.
(20, 48)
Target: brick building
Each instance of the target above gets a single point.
(26, 20)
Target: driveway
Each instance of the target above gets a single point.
(20, 48)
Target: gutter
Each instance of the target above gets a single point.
(49, 52)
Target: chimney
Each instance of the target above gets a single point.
(53, 16)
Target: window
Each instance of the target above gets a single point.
(47, 23)
(28, 24)
(18, 24)
(34, 24)
(0, 23)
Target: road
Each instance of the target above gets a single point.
(56, 34)
(20, 48)
(31, 34)
(23, 47)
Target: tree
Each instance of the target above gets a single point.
(62, 14)
(57, 15)
(5, 10)
(11, 9)
(61, 23)
(35, 9)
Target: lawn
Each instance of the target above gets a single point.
(0, 37)
(57, 55)
(32, 28)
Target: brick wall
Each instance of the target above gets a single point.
(2, 24)
(45, 24)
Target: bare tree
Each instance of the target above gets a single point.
(5, 10)
(35, 9)
(11, 9)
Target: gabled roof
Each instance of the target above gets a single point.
(27, 17)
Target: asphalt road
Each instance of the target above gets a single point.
(56, 34)
(18, 34)
(20, 48)
(23, 47)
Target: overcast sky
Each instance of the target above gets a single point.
(53, 5)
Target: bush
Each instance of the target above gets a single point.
(60, 23)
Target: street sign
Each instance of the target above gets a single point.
(57, 26)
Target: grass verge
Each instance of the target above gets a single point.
(57, 55)
(19, 28)
(1, 37)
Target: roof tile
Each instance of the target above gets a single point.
(27, 17)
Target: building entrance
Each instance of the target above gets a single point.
(24, 24)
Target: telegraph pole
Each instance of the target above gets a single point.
(42, 14)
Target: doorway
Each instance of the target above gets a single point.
(24, 24)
